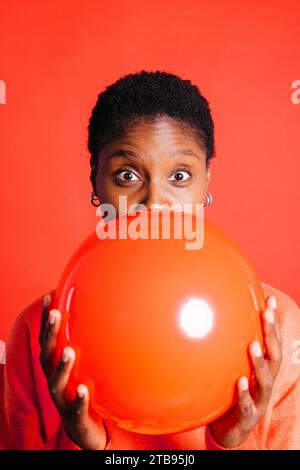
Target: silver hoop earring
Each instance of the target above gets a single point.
(94, 198)
(209, 200)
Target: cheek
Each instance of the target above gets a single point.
(109, 193)
(194, 193)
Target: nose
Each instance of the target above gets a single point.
(155, 196)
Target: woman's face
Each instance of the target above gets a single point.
(153, 163)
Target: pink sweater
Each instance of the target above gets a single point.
(29, 419)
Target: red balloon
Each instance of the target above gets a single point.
(161, 333)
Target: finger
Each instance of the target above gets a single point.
(245, 406)
(80, 406)
(272, 303)
(263, 378)
(273, 353)
(59, 378)
(89, 434)
(49, 340)
(45, 313)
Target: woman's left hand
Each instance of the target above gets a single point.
(234, 427)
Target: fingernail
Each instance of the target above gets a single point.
(244, 384)
(68, 353)
(46, 300)
(273, 302)
(81, 390)
(53, 316)
(51, 319)
(269, 315)
(256, 349)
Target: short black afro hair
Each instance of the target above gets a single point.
(148, 95)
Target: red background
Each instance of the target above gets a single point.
(55, 57)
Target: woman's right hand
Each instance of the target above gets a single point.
(79, 425)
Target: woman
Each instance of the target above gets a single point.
(151, 139)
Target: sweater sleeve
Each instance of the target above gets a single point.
(279, 429)
(31, 419)
(284, 429)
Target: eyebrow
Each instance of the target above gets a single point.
(131, 153)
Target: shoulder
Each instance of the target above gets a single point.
(22, 351)
(288, 312)
(33, 311)
(288, 315)
(27, 323)
(284, 301)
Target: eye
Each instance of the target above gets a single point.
(125, 176)
(180, 175)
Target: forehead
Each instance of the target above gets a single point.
(161, 133)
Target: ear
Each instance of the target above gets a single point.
(208, 175)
